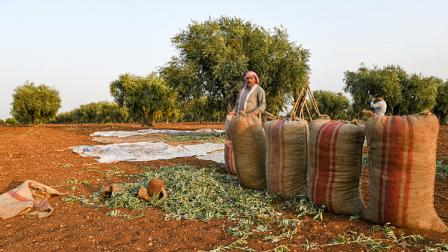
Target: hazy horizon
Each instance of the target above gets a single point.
(79, 47)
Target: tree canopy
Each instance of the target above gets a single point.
(441, 107)
(95, 112)
(215, 54)
(35, 104)
(333, 104)
(144, 96)
(404, 93)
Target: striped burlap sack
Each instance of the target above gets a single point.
(402, 167)
(286, 157)
(334, 165)
(249, 146)
(229, 158)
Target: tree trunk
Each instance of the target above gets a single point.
(150, 119)
(147, 117)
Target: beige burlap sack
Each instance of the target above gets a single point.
(229, 158)
(249, 146)
(30, 197)
(334, 165)
(402, 168)
(286, 157)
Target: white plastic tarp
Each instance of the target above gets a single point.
(156, 131)
(148, 151)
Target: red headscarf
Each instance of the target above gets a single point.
(252, 73)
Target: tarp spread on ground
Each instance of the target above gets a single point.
(148, 151)
(156, 131)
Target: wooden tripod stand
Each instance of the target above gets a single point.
(300, 104)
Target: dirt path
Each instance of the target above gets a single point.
(41, 153)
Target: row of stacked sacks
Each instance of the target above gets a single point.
(323, 160)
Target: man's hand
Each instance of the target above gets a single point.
(231, 113)
(255, 113)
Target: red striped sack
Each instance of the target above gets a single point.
(249, 145)
(229, 158)
(402, 167)
(334, 165)
(286, 157)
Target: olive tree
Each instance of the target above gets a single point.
(143, 96)
(215, 54)
(419, 93)
(35, 104)
(335, 105)
(404, 93)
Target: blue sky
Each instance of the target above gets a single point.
(79, 47)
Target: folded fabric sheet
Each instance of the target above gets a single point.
(30, 197)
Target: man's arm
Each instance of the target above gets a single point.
(261, 100)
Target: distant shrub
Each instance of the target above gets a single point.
(95, 112)
(2, 122)
(11, 121)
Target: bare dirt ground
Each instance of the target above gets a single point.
(42, 153)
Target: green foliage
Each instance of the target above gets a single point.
(198, 110)
(214, 56)
(442, 168)
(95, 112)
(404, 93)
(11, 121)
(441, 107)
(206, 138)
(206, 194)
(126, 198)
(35, 104)
(199, 194)
(144, 97)
(2, 122)
(335, 105)
(419, 93)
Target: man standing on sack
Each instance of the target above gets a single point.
(251, 98)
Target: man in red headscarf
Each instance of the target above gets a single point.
(251, 99)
